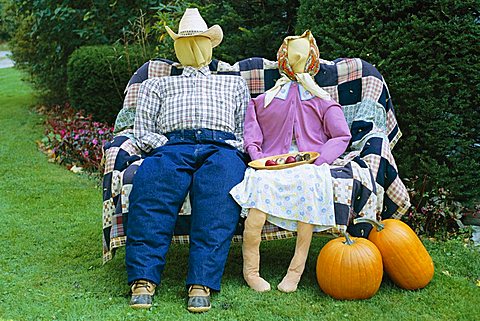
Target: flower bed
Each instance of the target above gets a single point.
(73, 139)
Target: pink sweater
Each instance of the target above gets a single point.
(319, 126)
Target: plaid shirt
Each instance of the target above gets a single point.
(196, 99)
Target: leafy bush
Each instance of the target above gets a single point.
(6, 22)
(47, 32)
(73, 139)
(168, 14)
(251, 28)
(434, 213)
(428, 53)
(97, 77)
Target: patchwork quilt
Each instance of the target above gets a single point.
(365, 178)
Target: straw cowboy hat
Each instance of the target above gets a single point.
(192, 24)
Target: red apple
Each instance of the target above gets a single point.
(270, 162)
(290, 159)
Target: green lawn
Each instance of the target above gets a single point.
(51, 267)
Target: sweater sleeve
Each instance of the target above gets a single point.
(253, 136)
(336, 128)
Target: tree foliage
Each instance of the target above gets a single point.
(252, 28)
(47, 32)
(428, 52)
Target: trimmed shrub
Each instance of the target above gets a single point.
(429, 55)
(97, 77)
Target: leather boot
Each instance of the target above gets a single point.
(142, 293)
(198, 298)
(251, 250)
(297, 265)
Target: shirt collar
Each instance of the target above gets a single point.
(189, 71)
(283, 93)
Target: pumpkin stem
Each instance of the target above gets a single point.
(378, 225)
(348, 240)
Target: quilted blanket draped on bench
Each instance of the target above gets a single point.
(365, 178)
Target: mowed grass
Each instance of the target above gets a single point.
(51, 267)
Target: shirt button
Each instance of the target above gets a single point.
(351, 91)
(199, 131)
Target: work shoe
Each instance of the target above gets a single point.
(142, 293)
(198, 298)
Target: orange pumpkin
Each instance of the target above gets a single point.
(405, 259)
(349, 268)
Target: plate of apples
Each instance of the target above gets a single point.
(284, 160)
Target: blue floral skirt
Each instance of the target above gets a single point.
(302, 193)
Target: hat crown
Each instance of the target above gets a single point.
(191, 23)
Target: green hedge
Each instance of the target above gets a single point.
(97, 77)
(251, 28)
(428, 53)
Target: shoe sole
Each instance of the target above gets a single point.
(141, 306)
(198, 309)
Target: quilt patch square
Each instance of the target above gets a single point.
(130, 100)
(371, 88)
(110, 157)
(158, 68)
(350, 92)
(255, 81)
(349, 69)
(108, 211)
(342, 191)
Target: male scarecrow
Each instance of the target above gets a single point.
(191, 129)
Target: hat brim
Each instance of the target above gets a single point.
(214, 33)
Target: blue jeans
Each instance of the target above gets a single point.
(195, 161)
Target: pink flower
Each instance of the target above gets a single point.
(95, 141)
(101, 132)
(76, 137)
